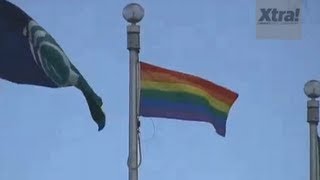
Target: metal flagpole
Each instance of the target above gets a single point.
(312, 90)
(318, 170)
(133, 13)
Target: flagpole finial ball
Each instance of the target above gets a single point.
(312, 89)
(133, 13)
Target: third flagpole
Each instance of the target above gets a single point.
(312, 90)
(133, 13)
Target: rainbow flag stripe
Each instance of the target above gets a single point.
(170, 94)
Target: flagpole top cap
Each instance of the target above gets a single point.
(133, 13)
(312, 89)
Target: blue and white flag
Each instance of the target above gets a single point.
(29, 55)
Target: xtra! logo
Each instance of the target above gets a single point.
(274, 16)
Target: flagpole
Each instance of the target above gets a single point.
(312, 90)
(133, 13)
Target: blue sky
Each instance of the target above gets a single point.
(48, 133)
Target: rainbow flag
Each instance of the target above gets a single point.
(170, 94)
